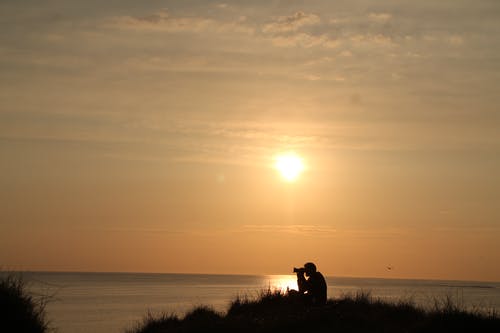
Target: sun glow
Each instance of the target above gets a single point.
(282, 282)
(289, 165)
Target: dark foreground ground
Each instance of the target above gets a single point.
(20, 312)
(275, 312)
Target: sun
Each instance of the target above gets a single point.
(289, 165)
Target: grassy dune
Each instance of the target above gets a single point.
(275, 312)
(20, 312)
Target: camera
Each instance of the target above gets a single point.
(298, 270)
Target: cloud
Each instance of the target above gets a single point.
(340, 20)
(164, 21)
(304, 40)
(298, 229)
(312, 77)
(291, 23)
(133, 230)
(327, 231)
(377, 39)
(380, 17)
(379, 233)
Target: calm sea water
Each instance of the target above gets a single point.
(113, 302)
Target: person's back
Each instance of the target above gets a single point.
(317, 288)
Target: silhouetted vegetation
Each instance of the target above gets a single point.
(273, 311)
(20, 311)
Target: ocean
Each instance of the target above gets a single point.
(115, 302)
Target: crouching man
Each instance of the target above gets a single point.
(311, 283)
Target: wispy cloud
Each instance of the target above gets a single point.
(133, 230)
(291, 23)
(328, 231)
(380, 17)
(299, 229)
(304, 40)
(285, 32)
(374, 39)
(163, 20)
(99, 77)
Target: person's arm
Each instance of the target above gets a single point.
(302, 282)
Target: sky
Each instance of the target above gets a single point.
(141, 136)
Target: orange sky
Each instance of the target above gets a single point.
(142, 137)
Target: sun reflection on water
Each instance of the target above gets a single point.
(282, 282)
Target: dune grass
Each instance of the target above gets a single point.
(20, 311)
(273, 311)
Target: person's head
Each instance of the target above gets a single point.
(309, 268)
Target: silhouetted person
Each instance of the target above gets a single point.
(314, 287)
